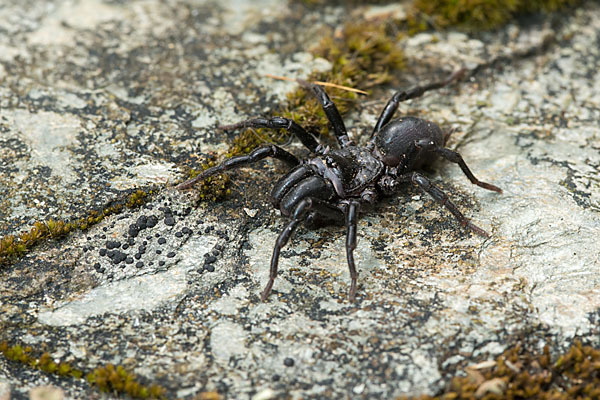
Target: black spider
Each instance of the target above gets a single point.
(334, 184)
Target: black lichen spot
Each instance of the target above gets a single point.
(151, 221)
(117, 256)
(288, 362)
(133, 230)
(142, 222)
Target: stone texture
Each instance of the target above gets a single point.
(99, 97)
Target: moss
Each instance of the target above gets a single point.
(519, 374)
(108, 378)
(24, 355)
(464, 14)
(111, 379)
(12, 247)
(480, 14)
(214, 188)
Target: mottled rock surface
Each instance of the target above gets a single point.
(100, 97)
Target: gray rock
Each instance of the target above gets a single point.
(97, 98)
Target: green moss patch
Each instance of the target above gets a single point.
(482, 14)
(519, 374)
(108, 378)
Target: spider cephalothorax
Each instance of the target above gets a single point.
(334, 184)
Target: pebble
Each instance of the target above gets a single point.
(162, 240)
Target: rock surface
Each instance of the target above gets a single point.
(100, 97)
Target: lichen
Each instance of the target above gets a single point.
(520, 374)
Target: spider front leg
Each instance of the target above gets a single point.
(441, 197)
(332, 113)
(301, 213)
(279, 123)
(239, 161)
(453, 156)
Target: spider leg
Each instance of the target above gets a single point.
(417, 91)
(332, 113)
(279, 123)
(351, 220)
(301, 212)
(453, 156)
(239, 161)
(441, 197)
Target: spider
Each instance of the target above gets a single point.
(334, 185)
